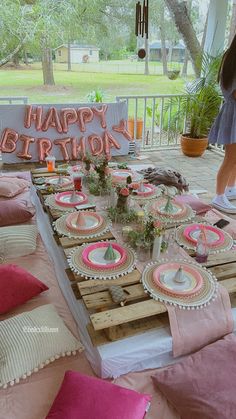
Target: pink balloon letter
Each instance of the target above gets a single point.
(101, 113)
(35, 115)
(68, 116)
(52, 120)
(62, 143)
(9, 139)
(24, 154)
(85, 115)
(44, 148)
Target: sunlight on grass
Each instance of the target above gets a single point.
(73, 87)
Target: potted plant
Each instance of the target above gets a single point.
(198, 107)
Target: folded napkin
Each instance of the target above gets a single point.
(195, 203)
(193, 329)
(213, 216)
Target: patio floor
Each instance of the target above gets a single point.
(200, 172)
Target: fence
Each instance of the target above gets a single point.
(151, 120)
(9, 100)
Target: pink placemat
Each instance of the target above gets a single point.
(193, 329)
(195, 203)
(213, 216)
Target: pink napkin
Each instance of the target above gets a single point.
(193, 329)
(213, 216)
(195, 203)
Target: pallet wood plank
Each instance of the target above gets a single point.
(103, 299)
(220, 258)
(95, 285)
(224, 271)
(67, 242)
(102, 337)
(126, 314)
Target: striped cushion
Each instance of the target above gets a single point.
(16, 241)
(27, 344)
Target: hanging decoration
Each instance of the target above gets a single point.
(141, 24)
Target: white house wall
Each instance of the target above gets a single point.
(77, 55)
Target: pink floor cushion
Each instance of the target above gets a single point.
(202, 386)
(17, 286)
(12, 186)
(85, 397)
(15, 211)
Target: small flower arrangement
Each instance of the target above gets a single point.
(121, 212)
(151, 229)
(100, 181)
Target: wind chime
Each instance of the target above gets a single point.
(141, 24)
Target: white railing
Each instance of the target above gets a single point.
(9, 100)
(150, 120)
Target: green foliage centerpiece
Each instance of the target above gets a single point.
(99, 179)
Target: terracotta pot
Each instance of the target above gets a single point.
(193, 147)
(139, 128)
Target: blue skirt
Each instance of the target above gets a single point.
(223, 130)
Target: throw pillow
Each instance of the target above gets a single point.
(12, 186)
(203, 384)
(15, 211)
(30, 341)
(85, 397)
(18, 241)
(17, 286)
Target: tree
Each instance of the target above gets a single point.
(183, 23)
(16, 28)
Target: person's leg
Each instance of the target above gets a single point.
(223, 177)
(230, 190)
(226, 168)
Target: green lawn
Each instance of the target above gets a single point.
(73, 87)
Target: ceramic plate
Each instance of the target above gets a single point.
(57, 181)
(92, 221)
(65, 199)
(120, 175)
(164, 277)
(214, 235)
(146, 190)
(93, 255)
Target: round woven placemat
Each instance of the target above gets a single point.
(201, 299)
(188, 215)
(62, 229)
(78, 266)
(183, 241)
(50, 202)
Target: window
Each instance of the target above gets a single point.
(59, 53)
(90, 52)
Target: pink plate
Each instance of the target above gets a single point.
(149, 190)
(92, 222)
(93, 254)
(64, 199)
(214, 235)
(120, 175)
(163, 277)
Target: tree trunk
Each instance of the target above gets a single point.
(26, 58)
(146, 71)
(184, 25)
(170, 52)
(16, 59)
(47, 64)
(185, 64)
(163, 50)
(68, 56)
(163, 38)
(232, 31)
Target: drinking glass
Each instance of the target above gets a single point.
(50, 161)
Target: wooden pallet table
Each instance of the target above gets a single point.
(109, 321)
